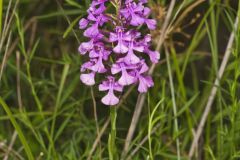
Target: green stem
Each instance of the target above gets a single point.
(176, 130)
(112, 136)
(1, 11)
(112, 149)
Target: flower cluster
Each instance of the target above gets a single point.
(117, 53)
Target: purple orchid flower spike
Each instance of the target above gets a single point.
(126, 78)
(120, 54)
(110, 85)
(121, 37)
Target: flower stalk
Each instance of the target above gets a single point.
(117, 49)
(112, 137)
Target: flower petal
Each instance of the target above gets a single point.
(99, 67)
(103, 87)
(144, 68)
(125, 13)
(85, 47)
(145, 83)
(91, 17)
(88, 79)
(100, 9)
(151, 23)
(113, 37)
(120, 48)
(136, 20)
(144, 1)
(138, 48)
(83, 23)
(117, 87)
(126, 79)
(147, 38)
(131, 58)
(115, 69)
(110, 99)
(154, 56)
(91, 31)
(86, 65)
(146, 11)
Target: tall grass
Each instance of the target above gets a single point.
(1, 11)
(55, 116)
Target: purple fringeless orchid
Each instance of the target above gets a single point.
(116, 48)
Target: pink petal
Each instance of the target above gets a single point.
(151, 23)
(117, 87)
(147, 38)
(92, 17)
(131, 58)
(125, 13)
(144, 68)
(127, 37)
(144, 84)
(120, 48)
(93, 54)
(110, 99)
(154, 56)
(136, 20)
(100, 9)
(139, 8)
(91, 31)
(115, 69)
(99, 67)
(113, 37)
(86, 65)
(85, 47)
(83, 23)
(103, 87)
(126, 79)
(138, 48)
(146, 11)
(88, 79)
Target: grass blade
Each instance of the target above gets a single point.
(18, 129)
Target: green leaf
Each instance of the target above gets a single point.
(71, 27)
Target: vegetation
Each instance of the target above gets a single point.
(192, 112)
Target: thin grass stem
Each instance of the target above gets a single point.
(176, 130)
